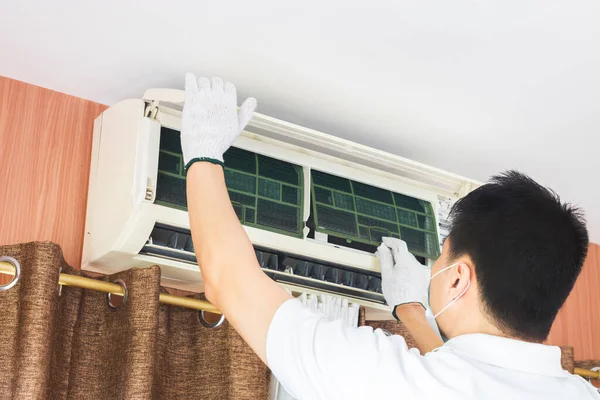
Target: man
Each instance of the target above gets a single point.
(511, 259)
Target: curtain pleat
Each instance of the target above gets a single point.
(225, 366)
(74, 346)
(116, 349)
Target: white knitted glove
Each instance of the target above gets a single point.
(210, 121)
(403, 278)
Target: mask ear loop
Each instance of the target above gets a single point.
(443, 269)
(453, 301)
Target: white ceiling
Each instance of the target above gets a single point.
(471, 87)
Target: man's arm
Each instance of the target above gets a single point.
(233, 279)
(413, 317)
(314, 357)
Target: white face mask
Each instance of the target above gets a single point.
(455, 299)
(433, 324)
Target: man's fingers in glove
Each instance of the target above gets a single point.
(217, 85)
(191, 88)
(203, 84)
(246, 111)
(191, 83)
(385, 258)
(230, 88)
(399, 250)
(397, 246)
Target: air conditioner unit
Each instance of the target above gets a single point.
(314, 206)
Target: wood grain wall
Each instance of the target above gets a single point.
(45, 145)
(578, 322)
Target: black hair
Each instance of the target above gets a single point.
(527, 249)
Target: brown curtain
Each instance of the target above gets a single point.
(396, 328)
(73, 346)
(587, 364)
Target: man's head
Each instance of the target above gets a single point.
(520, 248)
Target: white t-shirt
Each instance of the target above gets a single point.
(318, 359)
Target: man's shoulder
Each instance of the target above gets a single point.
(459, 372)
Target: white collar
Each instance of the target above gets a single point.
(507, 353)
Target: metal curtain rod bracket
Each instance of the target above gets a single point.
(8, 268)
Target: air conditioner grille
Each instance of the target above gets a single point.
(265, 192)
(357, 212)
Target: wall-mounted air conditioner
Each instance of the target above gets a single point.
(315, 206)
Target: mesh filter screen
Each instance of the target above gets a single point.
(265, 192)
(362, 213)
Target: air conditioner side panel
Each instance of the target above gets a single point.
(118, 165)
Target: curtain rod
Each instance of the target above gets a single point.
(114, 288)
(587, 373)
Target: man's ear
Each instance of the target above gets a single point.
(462, 277)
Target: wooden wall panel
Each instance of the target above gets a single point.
(45, 146)
(578, 322)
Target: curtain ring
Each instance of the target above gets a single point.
(17, 275)
(209, 324)
(109, 296)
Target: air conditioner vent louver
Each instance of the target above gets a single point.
(176, 243)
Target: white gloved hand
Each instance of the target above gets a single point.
(403, 279)
(210, 121)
